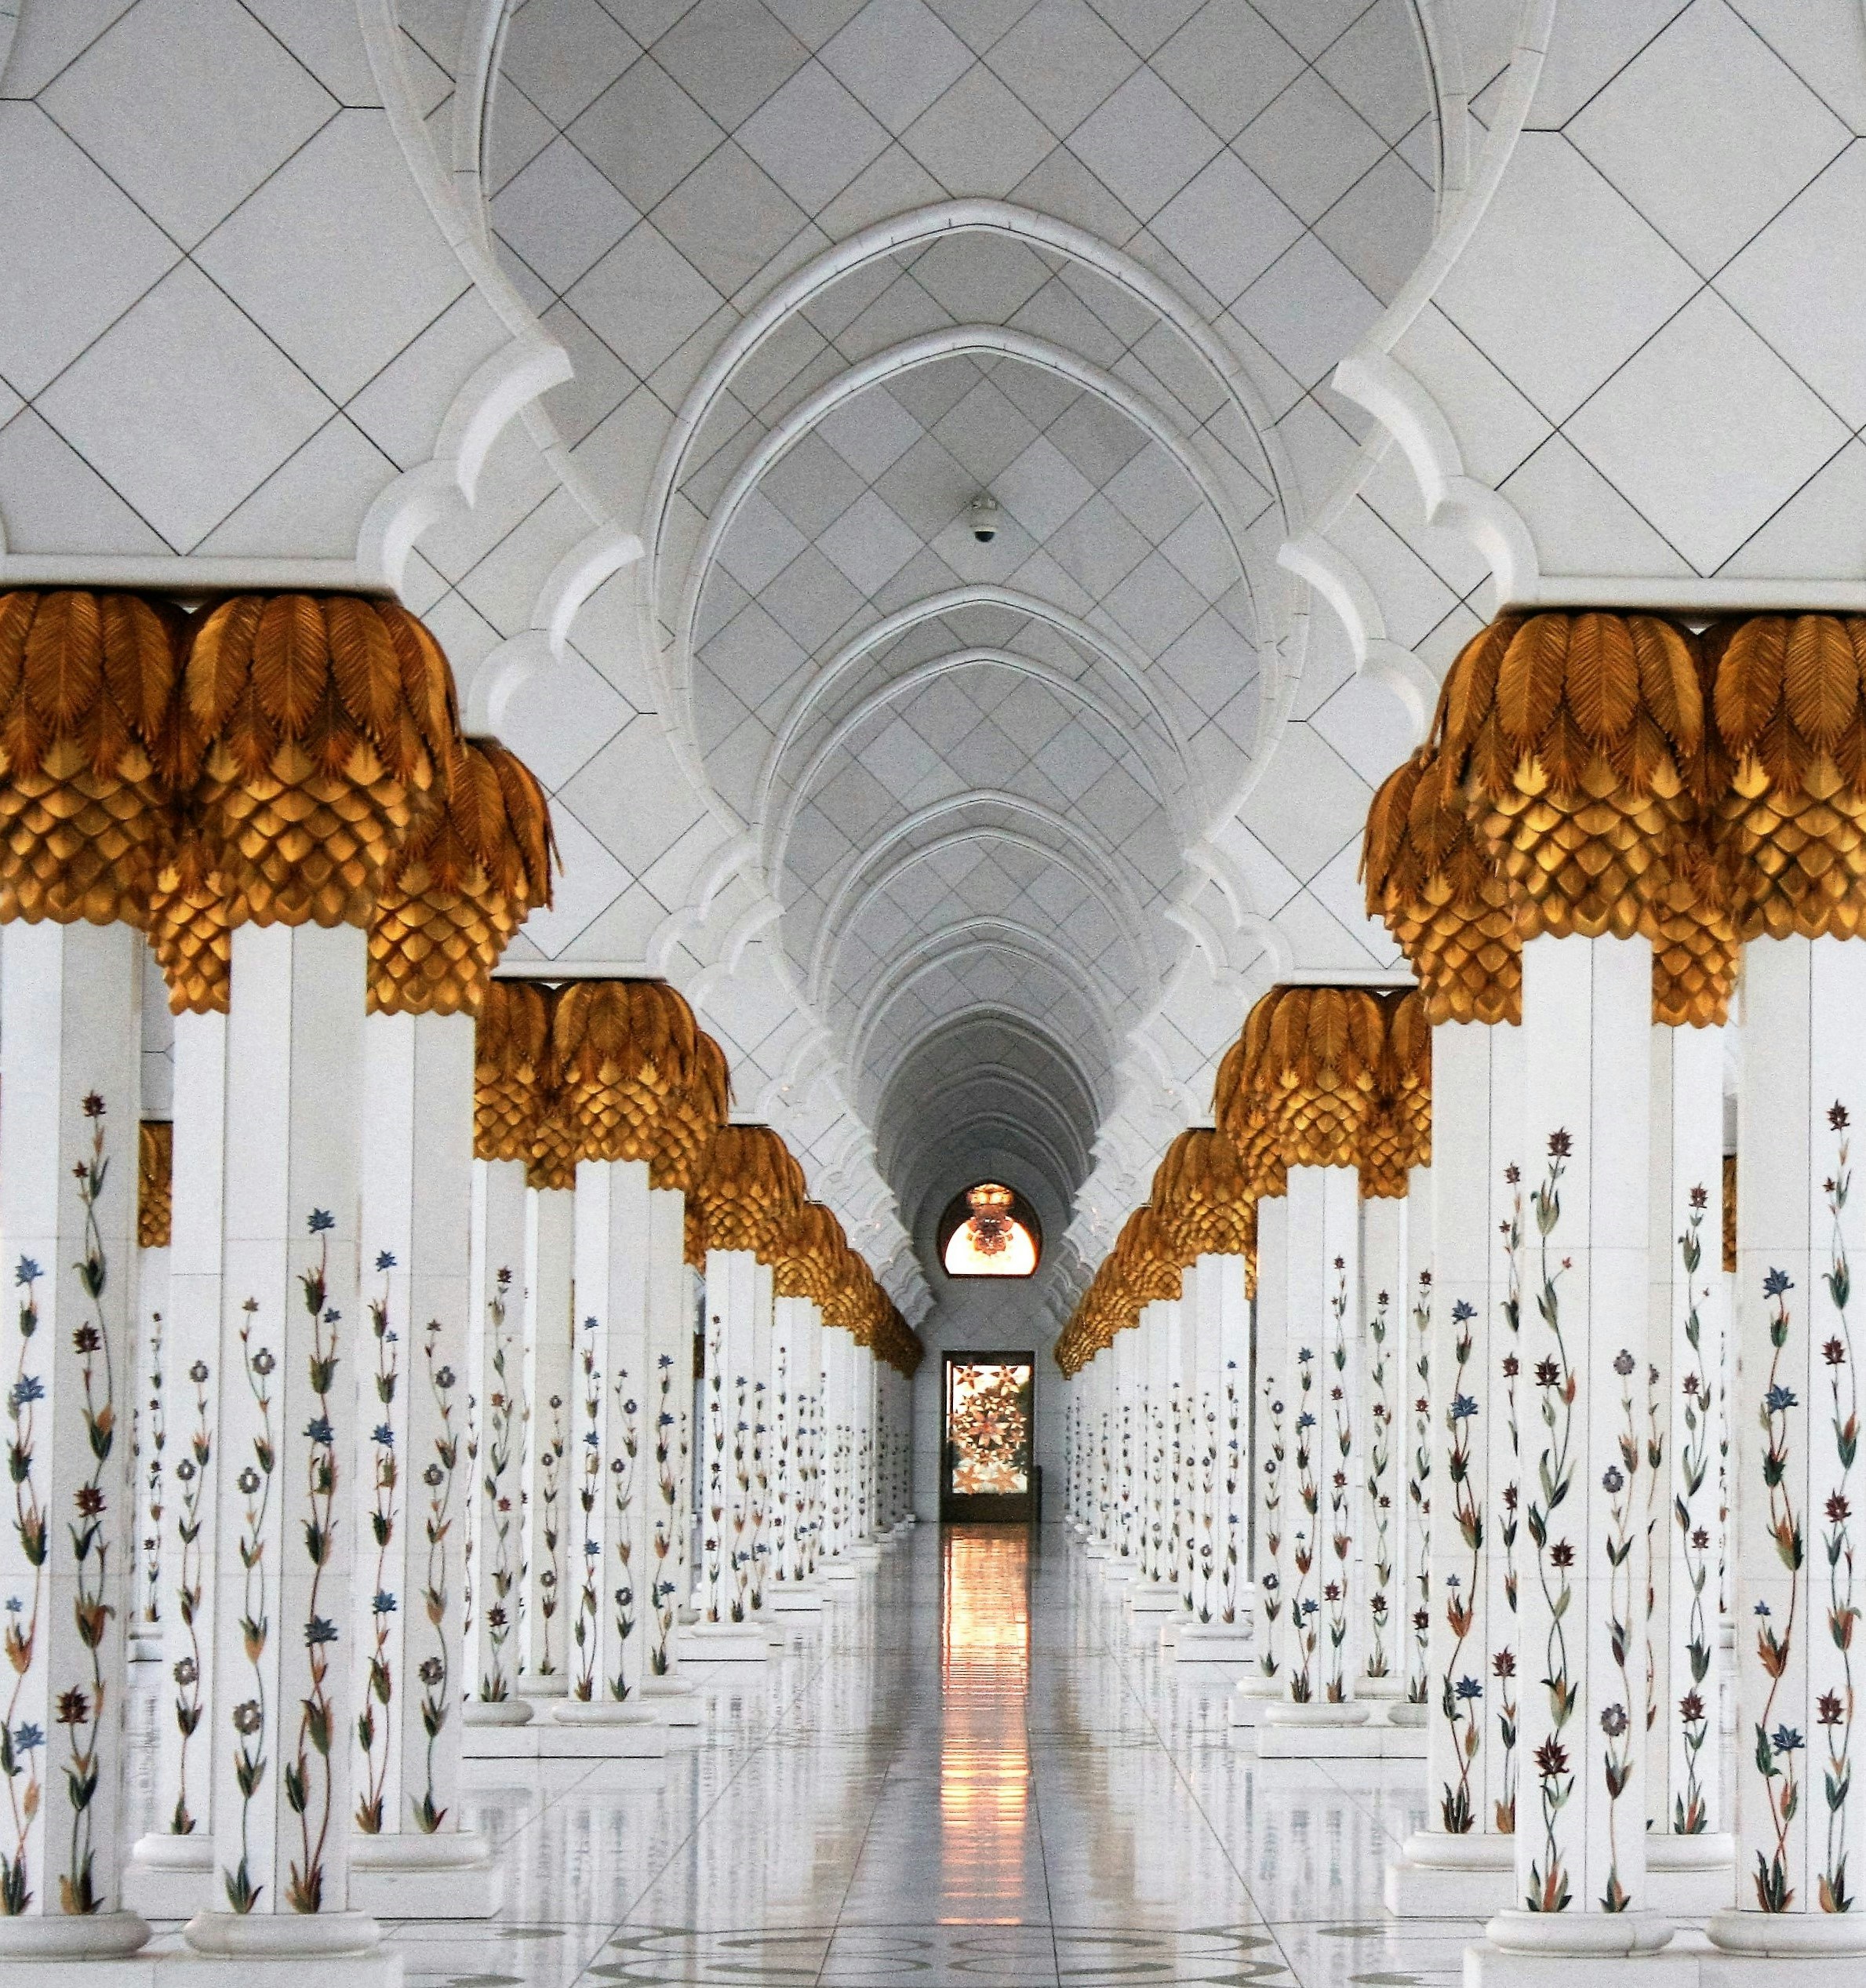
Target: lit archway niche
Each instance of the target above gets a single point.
(989, 1231)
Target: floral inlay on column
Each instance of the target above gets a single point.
(551, 1482)
(254, 1484)
(21, 1740)
(1558, 1385)
(589, 1490)
(191, 1481)
(1460, 1689)
(660, 1655)
(622, 1494)
(1234, 1479)
(154, 1473)
(310, 1785)
(1270, 1582)
(1379, 1486)
(1418, 1490)
(1303, 1606)
(380, 1684)
(498, 1570)
(1335, 1592)
(435, 1670)
(1691, 1497)
(1503, 1659)
(80, 1714)
(1775, 1750)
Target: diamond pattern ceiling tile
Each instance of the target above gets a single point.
(1740, 136)
(730, 56)
(812, 137)
(978, 138)
(645, 133)
(221, 106)
(1706, 432)
(897, 57)
(1063, 60)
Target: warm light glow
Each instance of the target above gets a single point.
(1011, 1252)
(984, 1746)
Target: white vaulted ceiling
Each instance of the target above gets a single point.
(834, 268)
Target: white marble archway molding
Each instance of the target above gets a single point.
(1171, 784)
(957, 341)
(1120, 657)
(1102, 856)
(944, 1044)
(982, 1098)
(966, 939)
(957, 1021)
(922, 226)
(829, 944)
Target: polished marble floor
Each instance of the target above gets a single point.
(967, 1775)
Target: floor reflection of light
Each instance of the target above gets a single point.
(987, 1833)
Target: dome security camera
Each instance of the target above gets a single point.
(981, 514)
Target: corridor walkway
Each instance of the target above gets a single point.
(965, 1777)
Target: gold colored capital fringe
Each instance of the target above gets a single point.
(317, 731)
(1443, 896)
(641, 1079)
(1580, 745)
(1149, 1267)
(1791, 714)
(460, 887)
(749, 1191)
(511, 1040)
(88, 685)
(813, 1247)
(1398, 1133)
(1204, 1198)
(154, 1183)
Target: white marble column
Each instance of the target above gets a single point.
(294, 1338)
(1380, 1430)
(788, 1587)
(610, 1631)
(1581, 1889)
(1413, 1436)
(1689, 1852)
(670, 1430)
(1795, 1479)
(724, 1630)
(758, 1462)
(1129, 1443)
(1464, 1860)
(70, 1021)
(171, 1869)
(410, 1857)
(550, 1251)
(1155, 1592)
(153, 1463)
(1272, 1485)
(1323, 1630)
(496, 1381)
(1221, 1329)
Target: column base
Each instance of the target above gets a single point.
(1213, 1643)
(1153, 1598)
(70, 1940)
(1098, 1549)
(279, 1950)
(448, 1875)
(547, 1739)
(725, 1643)
(1835, 1939)
(1333, 1732)
(145, 1641)
(168, 1876)
(1535, 1948)
(1118, 1570)
(602, 1712)
(1440, 1877)
(866, 1552)
(794, 1598)
(540, 1689)
(497, 1711)
(1406, 1711)
(1694, 1877)
(841, 1570)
